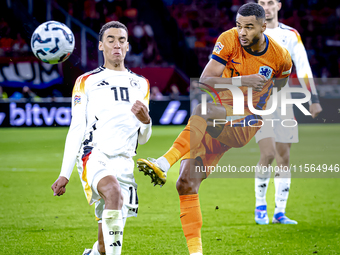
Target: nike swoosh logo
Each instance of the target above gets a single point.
(182, 216)
(232, 61)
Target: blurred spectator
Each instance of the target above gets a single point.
(20, 45)
(151, 51)
(91, 16)
(6, 43)
(3, 94)
(16, 95)
(138, 44)
(56, 95)
(195, 94)
(325, 74)
(201, 34)
(155, 94)
(4, 27)
(28, 93)
(174, 93)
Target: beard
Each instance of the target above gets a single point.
(252, 43)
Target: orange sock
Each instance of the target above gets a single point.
(191, 219)
(190, 137)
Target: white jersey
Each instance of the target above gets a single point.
(290, 39)
(101, 114)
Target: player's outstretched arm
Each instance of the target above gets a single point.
(304, 73)
(59, 186)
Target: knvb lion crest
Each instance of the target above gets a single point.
(266, 71)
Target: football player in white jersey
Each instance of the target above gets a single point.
(275, 140)
(110, 117)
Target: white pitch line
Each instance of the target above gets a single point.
(14, 169)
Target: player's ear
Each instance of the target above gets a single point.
(279, 5)
(127, 46)
(264, 26)
(100, 46)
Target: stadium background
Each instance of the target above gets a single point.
(171, 43)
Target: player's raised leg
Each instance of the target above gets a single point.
(187, 185)
(190, 137)
(282, 182)
(262, 177)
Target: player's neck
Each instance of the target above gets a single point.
(273, 23)
(119, 66)
(259, 46)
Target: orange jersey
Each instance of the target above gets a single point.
(273, 62)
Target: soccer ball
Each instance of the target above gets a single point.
(52, 42)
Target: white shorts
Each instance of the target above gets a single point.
(283, 128)
(93, 165)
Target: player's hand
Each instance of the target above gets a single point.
(255, 81)
(141, 112)
(59, 185)
(315, 109)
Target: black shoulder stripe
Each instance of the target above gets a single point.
(135, 74)
(283, 26)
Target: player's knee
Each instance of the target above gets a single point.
(187, 186)
(113, 195)
(268, 156)
(283, 157)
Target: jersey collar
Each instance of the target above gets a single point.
(259, 53)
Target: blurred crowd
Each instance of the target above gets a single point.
(318, 23)
(11, 42)
(95, 13)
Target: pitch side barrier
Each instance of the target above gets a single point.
(52, 114)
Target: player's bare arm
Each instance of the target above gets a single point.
(211, 75)
(315, 109)
(59, 186)
(141, 112)
(280, 83)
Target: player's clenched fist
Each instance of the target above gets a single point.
(255, 81)
(59, 185)
(141, 112)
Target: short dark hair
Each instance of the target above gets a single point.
(252, 9)
(111, 24)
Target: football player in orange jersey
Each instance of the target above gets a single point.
(245, 57)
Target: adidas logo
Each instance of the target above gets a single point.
(117, 243)
(103, 83)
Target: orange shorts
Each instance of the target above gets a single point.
(235, 135)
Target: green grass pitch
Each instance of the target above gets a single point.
(33, 221)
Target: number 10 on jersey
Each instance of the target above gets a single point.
(121, 93)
